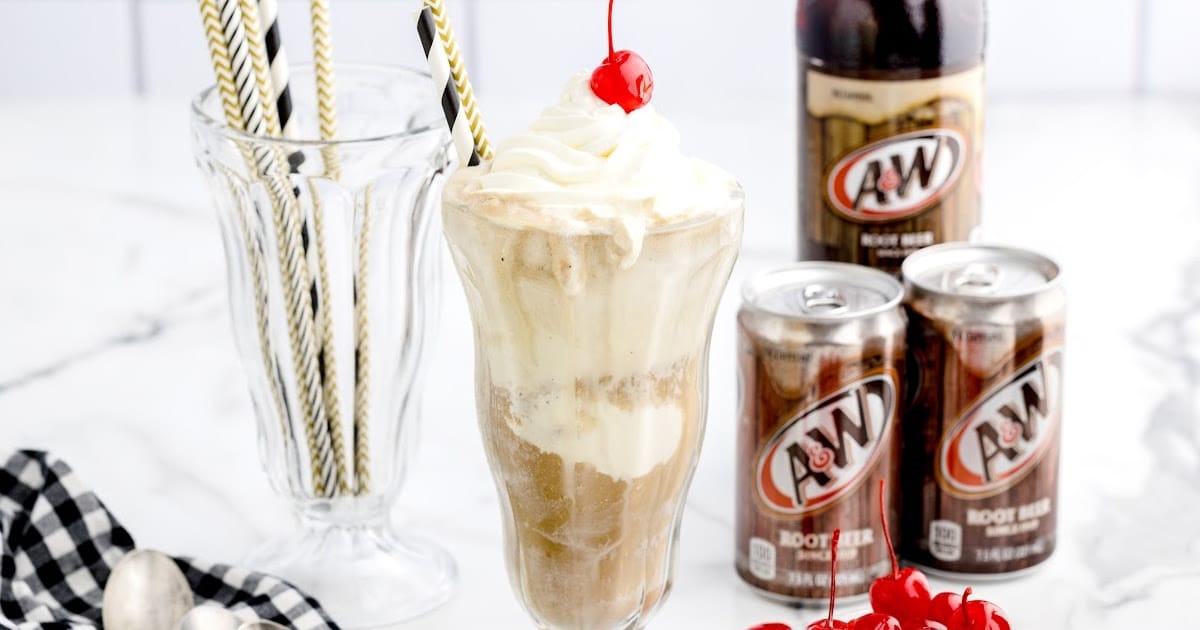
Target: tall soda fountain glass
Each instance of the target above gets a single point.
(593, 256)
(337, 397)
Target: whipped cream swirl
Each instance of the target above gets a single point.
(585, 166)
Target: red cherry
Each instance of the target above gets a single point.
(825, 624)
(876, 621)
(944, 606)
(905, 593)
(980, 615)
(931, 625)
(829, 623)
(774, 625)
(623, 78)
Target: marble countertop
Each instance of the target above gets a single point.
(116, 354)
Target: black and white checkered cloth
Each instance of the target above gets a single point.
(59, 544)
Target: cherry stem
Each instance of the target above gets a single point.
(611, 51)
(887, 535)
(837, 535)
(963, 607)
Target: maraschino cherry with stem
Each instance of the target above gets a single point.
(876, 621)
(904, 594)
(977, 614)
(943, 607)
(623, 78)
(960, 620)
(829, 623)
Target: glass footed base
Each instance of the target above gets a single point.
(364, 576)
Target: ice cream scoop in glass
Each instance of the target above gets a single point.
(593, 255)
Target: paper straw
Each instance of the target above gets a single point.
(451, 57)
(250, 114)
(322, 36)
(362, 362)
(244, 88)
(258, 97)
(223, 67)
(268, 11)
(318, 299)
(465, 145)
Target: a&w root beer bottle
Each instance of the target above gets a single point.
(891, 122)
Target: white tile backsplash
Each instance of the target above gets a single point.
(174, 50)
(1062, 47)
(66, 49)
(175, 54)
(1172, 61)
(706, 54)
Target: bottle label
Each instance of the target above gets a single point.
(889, 167)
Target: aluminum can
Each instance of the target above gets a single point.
(983, 428)
(821, 358)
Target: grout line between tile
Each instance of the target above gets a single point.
(1141, 44)
(471, 25)
(139, 47)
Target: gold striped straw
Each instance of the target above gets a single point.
(362, 366)
(227, 88)
(241, 108)
(462, 83)
(266, 94)
(322, 36)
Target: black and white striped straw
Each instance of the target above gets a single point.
(277, 57)
(465, 144)
(311, 377)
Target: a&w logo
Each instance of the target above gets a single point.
(897, 177)
(823, 452)
(999, 440)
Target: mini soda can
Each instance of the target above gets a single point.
(983, 429)
(821, 358)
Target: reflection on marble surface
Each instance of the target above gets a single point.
(116, 354)
(1138, 543)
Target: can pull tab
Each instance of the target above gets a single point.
(823, 300)
(975, 279)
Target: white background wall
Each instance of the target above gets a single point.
(737, 49)
(724, 69)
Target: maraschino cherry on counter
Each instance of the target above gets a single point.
(623, 78)
(976, 614)
(829, 623)
(904, 594)
(902, 600)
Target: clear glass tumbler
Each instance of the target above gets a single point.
(333, 271)
(591, 390)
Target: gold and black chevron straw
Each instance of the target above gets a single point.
(256, 100)
(454, 87)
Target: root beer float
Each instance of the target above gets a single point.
(593, 255)
(821, 361)
(891, 121)
(986, 332)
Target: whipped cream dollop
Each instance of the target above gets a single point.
(585, 166)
